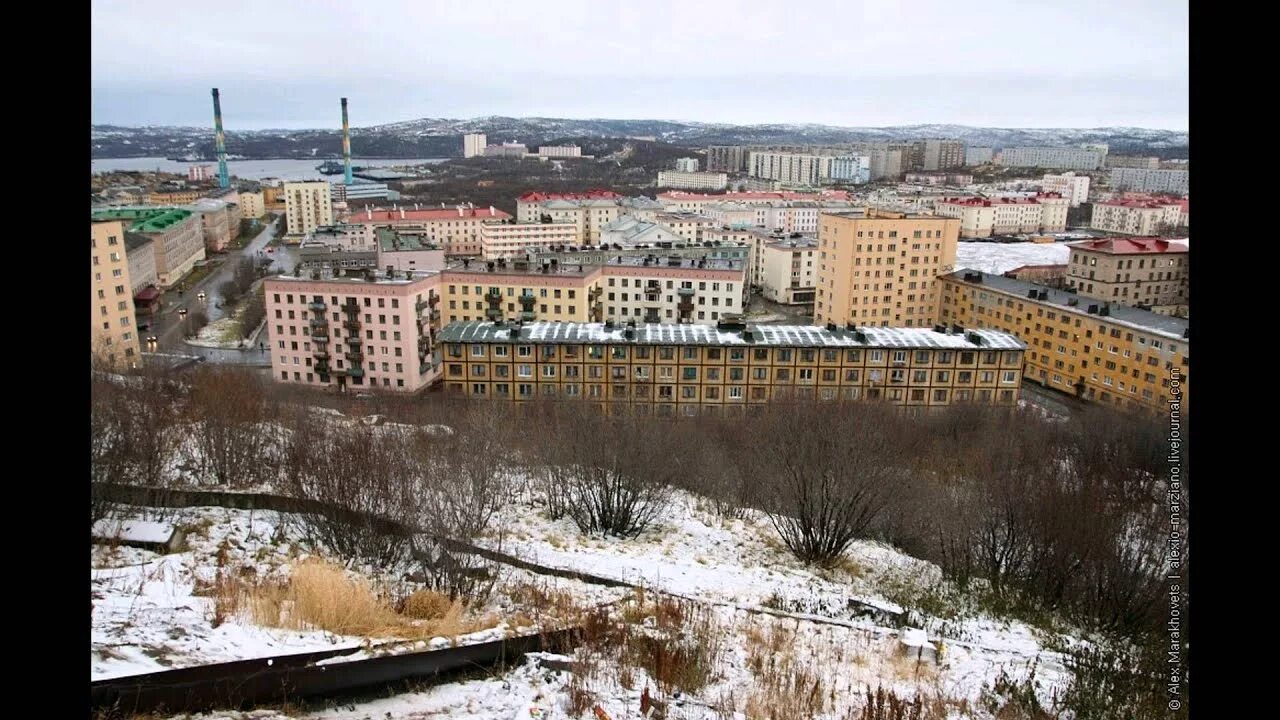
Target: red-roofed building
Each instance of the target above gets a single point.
(1137, 216)
(457, 229)
(695, 202)
(590, 211)
(1148, 272)
(981, 217)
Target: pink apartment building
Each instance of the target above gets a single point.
(456, 229)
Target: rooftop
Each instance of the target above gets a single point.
(803, 336)
(1142, 204)
(391, 241)
(534, 196)
(145, 220)
(989, 202)
(758, 195)
(1133, 317)
(1130, 246)
(805, 242)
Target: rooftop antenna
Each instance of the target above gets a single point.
(219, 143)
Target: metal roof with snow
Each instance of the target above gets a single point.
(802, 336)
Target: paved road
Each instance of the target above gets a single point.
(167, 325)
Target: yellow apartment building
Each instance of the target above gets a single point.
(113, 337)
(880, 268)
(688, 369)
(1107, 353)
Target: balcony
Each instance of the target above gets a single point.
(352, 339)
(317, 306)
(356, 372)
(493, 313)
(354, 355)
(434, 315)
(352, 325)
(493, 296)
(422, 305)
(321, 354)
(424, 340)
(686, 292)
(319, 322)
(528, 316)
(320, 336)
(351, 309)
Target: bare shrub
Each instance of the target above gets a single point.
(227, 445)
(825, 472)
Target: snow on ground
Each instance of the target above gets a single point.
(997, 258)
(223, 333)
(147, 616)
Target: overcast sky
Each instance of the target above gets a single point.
(999, 63)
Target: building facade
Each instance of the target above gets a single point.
(215, 225)
(308, 205)
(473, 144)
(1133, 161)
(177, 241)
(727, 158)
(1073, 187)
(692, 180)
(1099, 352)
(812, 170)
(559, 151)
(984, 217)
(456, 229)
(692, 369)
(881, 268)
(353, 333)
(938, 178)
(1150, 273)
(503, 240)
(590, 210)
(687, 164)
(1175, 182)
(252, 205)
(979, 155)
(696, 202)
(113, 337)
(1058, 158)
(943, 154)
(1135, 217)
(788, 270)
(141, 252)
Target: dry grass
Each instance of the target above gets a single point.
(322, 595)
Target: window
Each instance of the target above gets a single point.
(1010, 376)
(524, 371)
(477, 351)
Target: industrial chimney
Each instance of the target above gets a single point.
(346, 146)
(220, 145)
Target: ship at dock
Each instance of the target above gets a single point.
(333, 167)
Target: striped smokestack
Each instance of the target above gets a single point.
(219, 144)
(346, 145)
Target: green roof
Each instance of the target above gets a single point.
(145, 220)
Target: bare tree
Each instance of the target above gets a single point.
(227, 441)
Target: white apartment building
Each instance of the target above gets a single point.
(589, 211)
(695, 202)
(1135, 217)
(1073, 187)
(666, 289)
(801, 169)
(984, 217)
(353, 237)
(307, 205)
(733, 214)
(687, 164)
(978, 155)
(559, 151)
(787, 270)
(943, 154)
(1064, 158)
(689, 226)
(508, 241)
(692, 180)
(473, 144)
(1174, 182)
(1133, 161)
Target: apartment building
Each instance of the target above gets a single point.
(664, 289)
(942, 154)
(692, 369)
(356, 237)
(177, 241)
(938, 178)
(175, 196)
(1136, 217)
(692, 180)
(641, 207)
(473, 144)
(1133, 161)
(308, 205)
(1148, 272)
(559, 151)
(407, 252)
(252, 204)
(507, 150)
(811, 170)
(354, 333)
(738, 252)
(215, 226)
(113, 337)
(788, 270)
(590, 210)
(141, 252)
(1054, 276)
(1174, 182)
(1057, 158)
(879, 267)
(984, 217)
(687, 164)
(689, 226)
(697, 202)
(728, 158)
(732, 214)
(629, 231)
(883, 163)
(1073, 187)
(503, 240)
(979, 155)
(456, 229)
(1099, 352)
